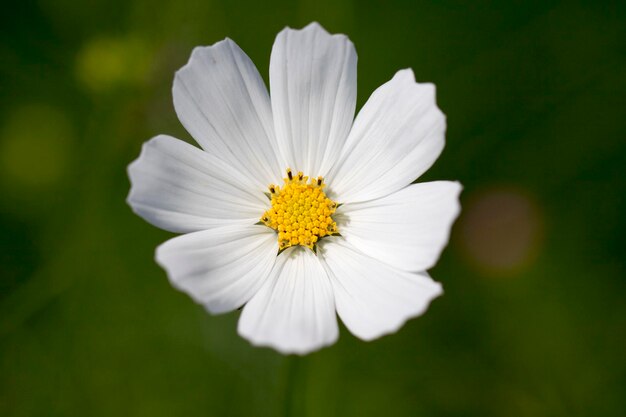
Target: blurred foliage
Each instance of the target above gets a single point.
(533, 321)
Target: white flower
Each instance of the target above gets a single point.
(357, 242)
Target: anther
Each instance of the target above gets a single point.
(300, 212)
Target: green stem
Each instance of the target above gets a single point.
(295, 387)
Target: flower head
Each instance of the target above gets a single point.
(293, 208)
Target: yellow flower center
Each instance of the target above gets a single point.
(301, 212)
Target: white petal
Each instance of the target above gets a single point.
(313, 89)
(180, 188)
(220, 268)
(222, 101)
(396, 137)
(373, 298)
(294, 311)
(407, 229)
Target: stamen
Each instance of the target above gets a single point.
(301, 212)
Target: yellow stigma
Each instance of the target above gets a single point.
(301, 212)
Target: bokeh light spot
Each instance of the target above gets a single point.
(501, 230)
(104, 64)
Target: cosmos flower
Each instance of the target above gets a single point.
(293, 209)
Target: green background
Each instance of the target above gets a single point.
(533, 320)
